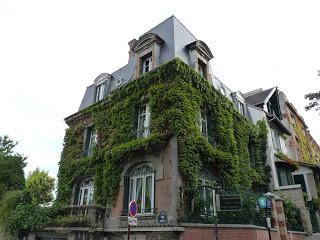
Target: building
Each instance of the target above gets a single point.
(166, 132)
(292, 153)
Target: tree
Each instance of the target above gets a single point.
(40, 185)
(314, 101)
(11, 167)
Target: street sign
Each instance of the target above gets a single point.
(133, 208)
(132, 221)
(162, 217)
(262, 201)
(269, 203)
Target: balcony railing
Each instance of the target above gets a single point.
(94, 214)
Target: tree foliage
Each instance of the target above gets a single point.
(314, 101)
(40, 185)
(11, 167)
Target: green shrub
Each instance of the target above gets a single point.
(27, 218)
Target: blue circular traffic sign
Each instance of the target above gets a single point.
(133, 208)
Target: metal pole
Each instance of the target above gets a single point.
(128, 236)
(269, 231)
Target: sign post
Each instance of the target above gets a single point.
(132, 220)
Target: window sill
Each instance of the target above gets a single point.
(295, 186)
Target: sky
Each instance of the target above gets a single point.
(50, 51)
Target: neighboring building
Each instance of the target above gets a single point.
(293, 154)
(166, 132)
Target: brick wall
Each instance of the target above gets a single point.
(232, 233)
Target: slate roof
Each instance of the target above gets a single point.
(259, 97)
(176, 37)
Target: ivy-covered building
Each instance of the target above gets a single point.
(164, 131)
(292, 153)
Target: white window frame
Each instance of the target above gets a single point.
(92, 140)
(223, 91)
(90, 190)
(100, 91)
(145, 65)
(241, 107)
(143, 131)
(133, 195)
(203, 123)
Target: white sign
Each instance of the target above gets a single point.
(132, 221)
(268, 222)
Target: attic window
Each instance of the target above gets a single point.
(99, 94)
(202, 69)
(146, 63)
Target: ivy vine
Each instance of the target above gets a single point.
(175, 94)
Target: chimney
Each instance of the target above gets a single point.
(131, 44)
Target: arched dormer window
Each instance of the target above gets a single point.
(147, 52)
(200, 55)
(85, 194)
(139, 186)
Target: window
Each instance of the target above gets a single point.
(284, 175)
(241, 107)
(90, 140)
(100, 90)
(275, 140)
(146, 63)
(202, 69)
(143, 129)
(207, 197)
(223, 91)
(140, 186)
(203, 123)
(86, 192)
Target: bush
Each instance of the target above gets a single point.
(292, 214)
(27, 218)
(8, 205)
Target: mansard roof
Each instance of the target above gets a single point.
(259, 97)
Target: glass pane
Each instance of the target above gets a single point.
(131, 192)
(85, 197)
(142, 120)
(142, 110)
(139, 193)
(149, 193)
(80, 197)
(90, 196)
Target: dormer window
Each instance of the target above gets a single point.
(223, 91)
(100, 90)
(146, 63)
(202, 69)
(241, 108)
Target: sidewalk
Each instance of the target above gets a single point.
(315, 236)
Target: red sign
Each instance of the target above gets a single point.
(133, 208)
